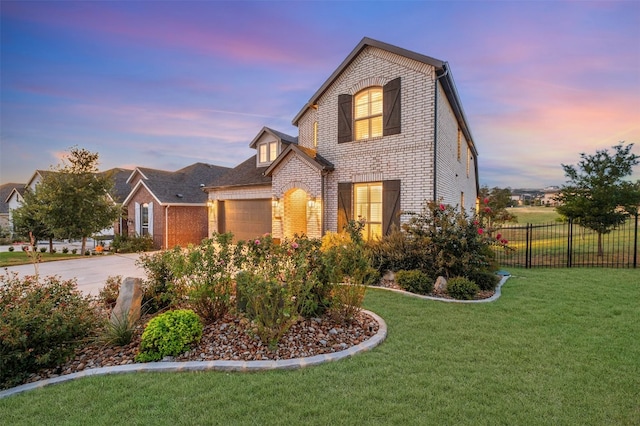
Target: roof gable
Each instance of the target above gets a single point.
(282, 137)
(310, 156)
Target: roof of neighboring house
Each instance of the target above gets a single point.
(184, 186)
(307, 154)
(244, 174)
(5, 191)
(121, 188)
(443, 73)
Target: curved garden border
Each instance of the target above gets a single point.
(495, 296)
(219, 365)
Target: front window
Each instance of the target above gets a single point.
(368, 207)
(144, 219)
(368, 113)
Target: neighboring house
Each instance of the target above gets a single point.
(8, 193)
(170, 206)
(120, 192)
(383, 134)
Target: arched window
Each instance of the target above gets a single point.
(368, 113)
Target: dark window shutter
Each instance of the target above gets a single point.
(345, 118)
(390, 205)
(391, 107)
(344, 204)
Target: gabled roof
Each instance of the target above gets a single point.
(283, 137)
(121, 188)
(244, 174)
(307, 154)
(443, 73)
(5, 192)
(184, 186)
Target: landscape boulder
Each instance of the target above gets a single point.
(129, 301)
(440, 287)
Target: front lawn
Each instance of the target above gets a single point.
(561, 346)
(18, 257)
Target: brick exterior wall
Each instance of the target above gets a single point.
(407, 156)
(452, 176)
(186, 225)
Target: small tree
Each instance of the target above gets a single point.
(77, 197)
(493, 211)
(596, 195)
(29, 219)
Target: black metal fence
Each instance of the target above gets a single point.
(569, 245)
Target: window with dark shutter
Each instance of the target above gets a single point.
(344, 204)
(345, 118)
(390, 205)
(391, 107)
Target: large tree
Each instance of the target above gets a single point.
(597, 195)
(29, 219)
(77, 197)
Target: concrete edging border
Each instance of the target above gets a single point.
(219, 365)
(495, 296)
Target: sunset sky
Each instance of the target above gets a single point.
(167, 84)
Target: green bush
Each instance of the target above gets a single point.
(65, 250)
(74, 251)
(135, 244)
(11, 248)
(43, 249)
(42, 322)
(415, 281)
(486, 280)
(169, 334)
(160, 289)
(462, 288)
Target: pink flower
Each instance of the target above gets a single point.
(442, 207)
(294, 245)
(475, 222)
(487, 209)
(257, 242)
(504, 241)
(499, 236)
(480, 231)
(486, 201)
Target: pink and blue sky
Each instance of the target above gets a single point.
(167, 84)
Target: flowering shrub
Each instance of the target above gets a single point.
(439, 241)
(41, 323)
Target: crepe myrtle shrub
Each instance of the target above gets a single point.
(450, 242)
(169, 334)
(161, 290)
(415, 281)
(206, 272)
(41, 324)
(462, 288)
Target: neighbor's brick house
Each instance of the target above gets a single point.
(384, 133)
(170, 206)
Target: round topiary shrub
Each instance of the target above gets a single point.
(485, 280)
(43, 249)
(11, 248)
(462, 288)
(415, 281)
(169, 334)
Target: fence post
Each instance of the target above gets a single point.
(527, 254)
(570, 244)
(635, 243)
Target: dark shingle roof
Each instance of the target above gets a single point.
(184, 185)
(5, 191)
(244, 174)
(120, 186)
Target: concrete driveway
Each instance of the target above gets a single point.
(90, 272)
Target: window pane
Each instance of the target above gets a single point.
(361, 194)
(376, 213)
(375, 193)
(375, 230)
(362, 129)
(361, 211)
(273, 148)
(376, 101)
(362, 110)
(376, 126)
(263, 154)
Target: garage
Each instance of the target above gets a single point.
(246, 219)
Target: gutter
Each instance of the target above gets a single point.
(435, 132)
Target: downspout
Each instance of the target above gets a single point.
(435, 133)
(166, 227)
(323, 176)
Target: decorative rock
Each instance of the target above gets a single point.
(129, 301)
(440, 286)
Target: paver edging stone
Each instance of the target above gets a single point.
(219, 365)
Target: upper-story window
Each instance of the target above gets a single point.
(368, 113)
(268, 152)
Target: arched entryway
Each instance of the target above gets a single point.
(295, 213)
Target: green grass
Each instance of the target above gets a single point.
(535, 215)
(559, 347)
(19, 257)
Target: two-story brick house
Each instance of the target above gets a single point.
(384, 133)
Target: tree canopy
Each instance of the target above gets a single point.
(596, 194)
(74, 200)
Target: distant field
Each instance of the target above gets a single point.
(534, 215)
